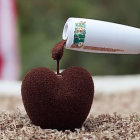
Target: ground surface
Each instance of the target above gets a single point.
(102, 122)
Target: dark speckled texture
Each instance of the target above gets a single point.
(57, 51)
(58, 102)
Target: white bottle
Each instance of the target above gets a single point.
(101, 37)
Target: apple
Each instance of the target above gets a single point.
(58, 101)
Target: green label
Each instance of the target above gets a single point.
(79, 33)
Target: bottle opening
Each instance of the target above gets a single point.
(65, 32)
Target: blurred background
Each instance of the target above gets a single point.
(29, 29)
(40, 24)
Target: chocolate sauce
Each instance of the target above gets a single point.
(57, 52)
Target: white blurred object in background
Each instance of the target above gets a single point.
(9, 59)
(103, 84)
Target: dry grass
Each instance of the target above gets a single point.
(101, 123)
(17, 125)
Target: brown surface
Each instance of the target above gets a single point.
(69, 96)
(101, 123)
(57, 51)
(124, 103)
